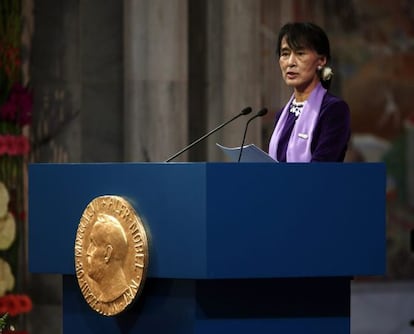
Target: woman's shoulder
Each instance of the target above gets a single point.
(333, 101)
(330, 98)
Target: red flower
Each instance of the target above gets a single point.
(12, 304)
(23, 146)
(8, 111)
(15, 304)
(3, 145)
(25, 303)
(12, 145)
(24, 102)
(3, 306)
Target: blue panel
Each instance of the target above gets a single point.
(296, 220)
(189, 306)
(289, 228)
(174, 211)
(274, 326)
(222, 220)
(166, 306)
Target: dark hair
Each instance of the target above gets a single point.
(306, 35)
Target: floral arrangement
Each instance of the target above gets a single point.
(15, 119)
(13, 305)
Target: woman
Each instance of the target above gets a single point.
(314, 125)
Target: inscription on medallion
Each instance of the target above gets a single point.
(111, 254)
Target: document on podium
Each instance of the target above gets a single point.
(251, 153)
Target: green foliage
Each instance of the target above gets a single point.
(3, 321)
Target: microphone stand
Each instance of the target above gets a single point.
(260, 113)
(242, 113)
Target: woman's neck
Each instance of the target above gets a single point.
(302, 95)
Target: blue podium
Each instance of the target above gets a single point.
(234, 247)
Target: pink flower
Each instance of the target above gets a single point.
(19, 106)
(12, 145)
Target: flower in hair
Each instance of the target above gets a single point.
(326, 73)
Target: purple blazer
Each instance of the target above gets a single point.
(331, 134)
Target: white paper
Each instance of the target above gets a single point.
(250, 153)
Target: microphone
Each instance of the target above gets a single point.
(245, 111)
(260, 113)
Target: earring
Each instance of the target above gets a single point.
(320, 67)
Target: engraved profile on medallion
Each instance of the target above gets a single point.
(108, 248)
(111, 254)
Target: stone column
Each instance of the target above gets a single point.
(233, 70)
(155, 79)
(275, 93)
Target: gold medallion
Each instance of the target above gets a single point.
(111, 254)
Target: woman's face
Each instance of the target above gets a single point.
(299, 67)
